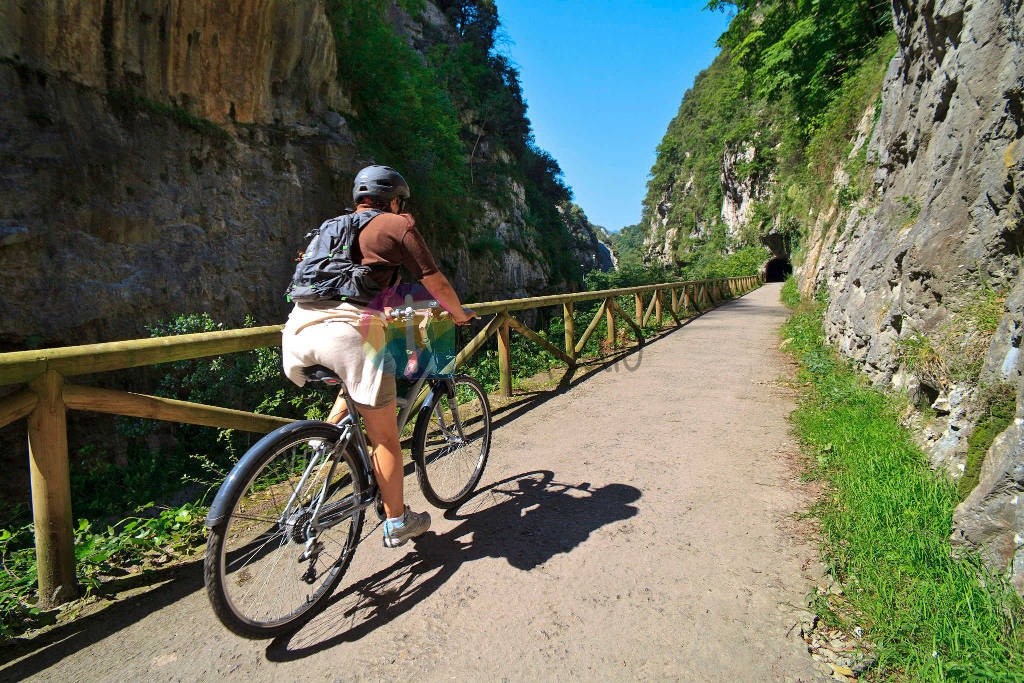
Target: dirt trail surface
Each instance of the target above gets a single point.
(640, 525)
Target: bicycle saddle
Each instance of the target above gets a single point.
(318, 373)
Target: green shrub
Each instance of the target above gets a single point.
(790, 293)
(101, 552)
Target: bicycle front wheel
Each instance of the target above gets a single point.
(268, 568)
(451, 441)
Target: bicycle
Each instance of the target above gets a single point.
(286, 522)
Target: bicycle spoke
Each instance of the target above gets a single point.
(245, 559)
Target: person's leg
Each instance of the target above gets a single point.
(382, 428)
(401, 523)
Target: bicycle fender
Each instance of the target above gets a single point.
(219, 508)
(431, 399)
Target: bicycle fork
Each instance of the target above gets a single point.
(459, 436)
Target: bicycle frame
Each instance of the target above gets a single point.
(406, 404)
(351, 432)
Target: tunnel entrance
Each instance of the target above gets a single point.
(777, 270)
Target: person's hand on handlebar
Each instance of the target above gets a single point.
(464, 319)
(439, 287)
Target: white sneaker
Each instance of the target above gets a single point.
(412, 525)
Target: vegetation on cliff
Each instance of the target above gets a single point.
(448, 110)
(779, 106)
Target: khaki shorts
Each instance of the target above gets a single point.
(342, 337)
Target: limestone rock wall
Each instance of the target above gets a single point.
(943, 225)
(160, 158)
(248, 61)
(587, 246)
(738, 193)
(168, 156)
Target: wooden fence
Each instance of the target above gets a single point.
(45, 397)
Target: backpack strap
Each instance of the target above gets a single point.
(362, 223)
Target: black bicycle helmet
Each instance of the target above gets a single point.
(379, 182)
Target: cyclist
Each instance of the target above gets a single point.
(329, 333)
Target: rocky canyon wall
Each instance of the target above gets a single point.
(941, 230)
(168, 157)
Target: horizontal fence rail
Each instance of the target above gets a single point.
(46, 396)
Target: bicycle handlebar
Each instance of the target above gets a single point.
(418, 308)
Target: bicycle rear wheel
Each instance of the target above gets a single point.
(264, 576)
(451, 442)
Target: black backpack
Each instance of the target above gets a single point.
(330, 268)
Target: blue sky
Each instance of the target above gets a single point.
(602, 79)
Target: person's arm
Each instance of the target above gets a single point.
(439, 287)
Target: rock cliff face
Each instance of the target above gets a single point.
(739, 191)
(659, 246)
(168, 157)
(588, 248)
(232, 61)
(942, 228)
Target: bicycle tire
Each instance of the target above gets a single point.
(450, 462)
(260, 587)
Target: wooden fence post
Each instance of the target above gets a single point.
(638, 302)
(657, 306)
(610, 320)
(570, 330)
(504, 360)
(637, 330)
(51, 493)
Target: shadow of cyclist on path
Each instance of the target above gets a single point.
(526, 519)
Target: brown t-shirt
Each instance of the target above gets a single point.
(393, 240)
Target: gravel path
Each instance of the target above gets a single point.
(640, 525)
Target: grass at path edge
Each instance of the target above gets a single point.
(885, 520)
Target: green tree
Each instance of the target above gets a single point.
(449, 111)
(778, 86)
